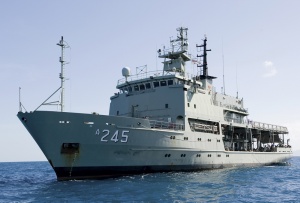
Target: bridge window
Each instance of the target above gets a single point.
(156, 84)
(163, 83)
(170, 82)
(129, 89)
(148, 85)
(136, 88)
(142, 87)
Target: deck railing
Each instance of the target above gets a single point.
(166, 125)
(154, 74)
(265, 126)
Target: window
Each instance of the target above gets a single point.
(194, 105)
(156, 84)
(136, 88)
(148, 85)
(170, 82)
(129, 89)
(142, 87)
(166, 106)
(188, 104)
(163, 83)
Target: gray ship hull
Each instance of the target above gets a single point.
(80, 146)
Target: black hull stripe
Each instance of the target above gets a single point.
(68, 173)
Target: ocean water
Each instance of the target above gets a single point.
(36, 182)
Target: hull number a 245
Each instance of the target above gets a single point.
(106, 135)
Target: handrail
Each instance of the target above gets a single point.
(265, 126)
(166, 125)
(148, 74)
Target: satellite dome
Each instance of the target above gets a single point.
(126, 71)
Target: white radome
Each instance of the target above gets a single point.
(126, 71)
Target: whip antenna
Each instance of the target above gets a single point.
(237, 89)
(223, 70)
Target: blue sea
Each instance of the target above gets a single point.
(36, 182)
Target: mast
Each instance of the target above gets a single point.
(63, 45)
(204, 66)
(204, 55)
(181, 39)
(177, 54)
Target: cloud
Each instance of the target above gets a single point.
(270, 69)
(268, 63)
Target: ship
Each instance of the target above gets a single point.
(158, 121)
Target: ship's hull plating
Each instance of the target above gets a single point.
(80, 146)
(68, 173)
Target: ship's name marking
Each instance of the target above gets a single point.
(114, 136)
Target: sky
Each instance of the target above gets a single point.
(257, 42)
